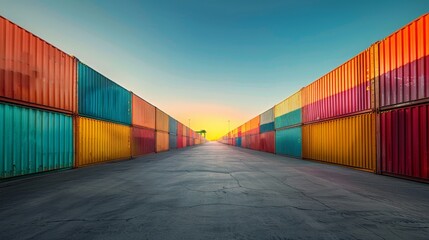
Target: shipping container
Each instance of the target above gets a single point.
(254, 124)
(172, 143)
(101, 98)
(267, 142)
(347, 141)
(179, 141)
(268, 127)
(289, 119)
(288, 112)
(289, 142)
(143, 113)
(100, 141)
(172, 125)
(267, 116)
(161, 121)
(238, 141)
(346, 90)
(404, 143)
(162, 141)
(143, 141)
(33, 140)
(404, 64)
(33, 72)
(185, 131)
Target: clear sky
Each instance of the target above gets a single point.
(213, 61)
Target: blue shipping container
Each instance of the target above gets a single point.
(289, 119)
(172, 125)
(33, 141)
(238, 142)
(172, 141)
(101, 98)
(268, 127)
(289, 142)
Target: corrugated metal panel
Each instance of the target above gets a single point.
(179, 141)
(184, 141)
(172, 143)
(143, 141)
(185, 131)
(267, 116)
(33, 141)
(254, 123)
(404, 143)
(347, 141)
(162, 141)
(172, 125)
(143, 113)
(289, 142)
(345, 90)
(267, 142)
(101, 98)
(404, 64)
(288, 105)
(244, 142)
(100, 141)
(292, 118)
(33, 72)
(267, 127)
(161, 121)
(238, 142)
(247, 127)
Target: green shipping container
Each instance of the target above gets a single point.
(289, 119)
(33, 141)
(289, 142)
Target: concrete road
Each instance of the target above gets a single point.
(213, 192)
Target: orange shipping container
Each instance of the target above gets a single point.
(347, 141)
(33, 72)
(162, 141)
(161, 121)
(100, 141)
(143, 113)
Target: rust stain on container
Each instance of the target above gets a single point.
(33, 72)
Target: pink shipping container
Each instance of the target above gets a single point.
(405, 142)
(143, 141)
(33, 72)
(404, 64)
(267, 142)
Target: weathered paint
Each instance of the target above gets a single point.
(289, 142)
(33, 72)
(289, 119)
(162, 141)
(404, 142)
(267, 142)
(33, 141)
(345, 90)
(143, 113)
(101, 98)
(347, 141)
(161, 121)
(268, 127)
(404, 64)
(100, 141)
(143, 141)
(267, 116)
(172, 141)
(172, 125)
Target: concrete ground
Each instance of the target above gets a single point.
(213, 192)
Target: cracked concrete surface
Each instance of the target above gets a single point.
(213, 192)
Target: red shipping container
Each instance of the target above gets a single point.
(33, 72)
(184, 141)
(143, 141)
(405, 142)
(267, 142)
(179, 141)
(254, 142)
(404, 64)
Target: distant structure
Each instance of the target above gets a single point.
(202, 132)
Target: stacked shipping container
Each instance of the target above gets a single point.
(370, 113)
(57, 112)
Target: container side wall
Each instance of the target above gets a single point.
(162, 141)
(289, 142)
(267, 142)
(289, 119)
(143, 113)
(161, 121)
(143, 141)
(172, 141)
(267, 116)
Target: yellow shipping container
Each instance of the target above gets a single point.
(288, 105)
(162, 143)
(347, 141)
(161, 121)
(100, 141)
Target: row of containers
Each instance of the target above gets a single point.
(370, 113)
(56, 112)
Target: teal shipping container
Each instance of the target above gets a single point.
(238, 141)
(172, 139)
(33, 141)
(101, 98)
(172, 125)
(268, 127)
(289, 119)
(289, 142)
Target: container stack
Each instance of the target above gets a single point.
(369, 113)
(58, 113)
(172, 130)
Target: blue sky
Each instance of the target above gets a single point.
(222, 60)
